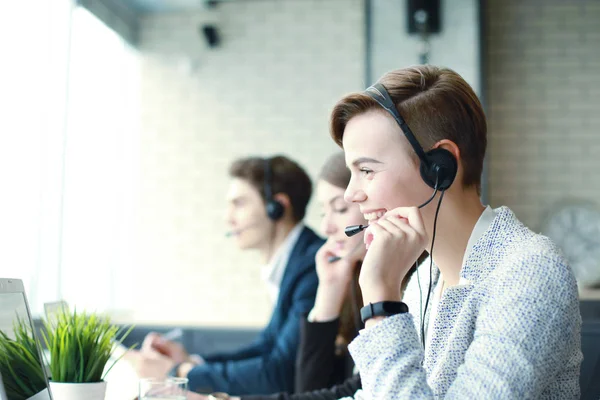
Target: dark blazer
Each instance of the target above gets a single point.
(317, 364)
(268, 364)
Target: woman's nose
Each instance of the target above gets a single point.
(327, 225)
(354, 194)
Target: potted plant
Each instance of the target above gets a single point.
(20, 365)
(80, 346)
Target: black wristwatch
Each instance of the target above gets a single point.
(382, 309)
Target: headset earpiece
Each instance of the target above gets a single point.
(442, 169)
(275, 209)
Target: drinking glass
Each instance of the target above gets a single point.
(163, 389)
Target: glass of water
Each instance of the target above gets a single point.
(163, 389)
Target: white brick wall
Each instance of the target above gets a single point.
(543, 63)
(268, 89)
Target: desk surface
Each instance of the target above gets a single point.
(122, 382)
(587, 294)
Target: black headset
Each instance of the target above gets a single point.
(274, 208)
(438, 166)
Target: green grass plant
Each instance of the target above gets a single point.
(81, 345)
(20, 364)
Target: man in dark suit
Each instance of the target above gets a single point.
(267, 201)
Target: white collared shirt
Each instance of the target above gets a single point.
(272, 273)
(482, 225)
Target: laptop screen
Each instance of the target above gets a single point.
(21, 367)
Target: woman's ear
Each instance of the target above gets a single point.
(449, 145)
(452, 147)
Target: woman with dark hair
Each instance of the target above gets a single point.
(323, 359)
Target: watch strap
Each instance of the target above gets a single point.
(382, 309)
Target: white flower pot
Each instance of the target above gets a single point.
(43, 395)
(78, 391)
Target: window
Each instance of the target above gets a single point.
(67, 155)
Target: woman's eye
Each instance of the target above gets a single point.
(366, 172)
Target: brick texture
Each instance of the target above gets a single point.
(267, 89)
(543, 87)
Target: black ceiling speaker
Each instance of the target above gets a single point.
(211, 35)
(424, 12)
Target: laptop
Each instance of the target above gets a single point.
(53, 309)
(14, 307)
(2, 392)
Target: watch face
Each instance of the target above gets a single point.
(394, 307)
(575, 228)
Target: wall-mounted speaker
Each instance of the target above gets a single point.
(211, 35)
(424, 12)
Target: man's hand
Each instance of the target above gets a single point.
(172, 350)
(394, 243)
(149, 364)
(198, 396)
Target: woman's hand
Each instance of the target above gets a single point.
(334, 281)
(394, 243)
(337, 273)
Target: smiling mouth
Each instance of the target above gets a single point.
(373, 216)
